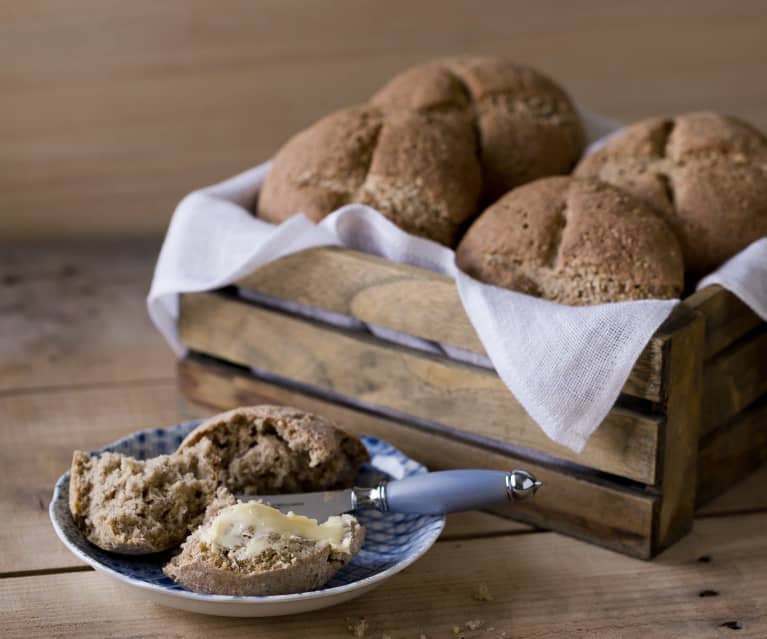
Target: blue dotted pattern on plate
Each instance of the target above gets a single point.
(390, 538)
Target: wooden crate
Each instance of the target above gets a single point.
(691, 420)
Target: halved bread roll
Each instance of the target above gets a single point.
(130, 506)
(278, 449)
(250, 549)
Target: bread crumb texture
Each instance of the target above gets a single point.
(132, 506)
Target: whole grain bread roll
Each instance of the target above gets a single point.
(705, 172)
(429, 147)
(281, 565)
(574, 241)
(131, 506)
(278, 449)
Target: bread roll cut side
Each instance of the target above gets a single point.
(129, 506)
(284, 564)
(273, 449)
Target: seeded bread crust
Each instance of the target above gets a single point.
(137, 507)
(429, 147)
(705, 172)
(273, 449)
(298, 565)
(574, 241)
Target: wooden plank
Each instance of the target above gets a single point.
(39, 431)
(541, 586)
(679, 452)
(395, 378)
(74, 313)
(145, 106)
(597, 511)
(727, 318)
(734, 378)
(411, 300)
(732, 452)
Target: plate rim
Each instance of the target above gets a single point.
(368, 582)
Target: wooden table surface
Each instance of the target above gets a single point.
(80, 366)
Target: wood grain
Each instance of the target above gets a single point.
(395, 378)
(746, 496)
(681, 432)
(595, 510)
(74, 314)
(411, 300)
(542, 586)
(112, 111)
(727, 318)
(735, 378)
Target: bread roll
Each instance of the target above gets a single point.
(247, 560)
(705, 172)
(429, 147)
(277, 449)
(130, 506)
(574, 241)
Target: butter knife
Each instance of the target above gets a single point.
(426, 494)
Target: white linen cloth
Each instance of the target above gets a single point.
(565, 365)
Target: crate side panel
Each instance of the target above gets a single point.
(379, 374)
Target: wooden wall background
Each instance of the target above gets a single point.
(110, 110)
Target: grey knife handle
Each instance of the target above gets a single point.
(452, 491)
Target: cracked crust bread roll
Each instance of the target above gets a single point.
(251, 549)
(705, 172)
(574, 241)
(429, 147)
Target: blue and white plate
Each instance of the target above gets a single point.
(392, 542)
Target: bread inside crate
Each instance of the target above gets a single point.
(698, 385)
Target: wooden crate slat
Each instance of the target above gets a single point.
(727, 318)
(679, 447)
(734, 378)
(732, 452)
(404, 298)
(596, 511)
(407, 381)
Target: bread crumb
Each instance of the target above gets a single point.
(482, 593)
(357, 628)
(474, 624)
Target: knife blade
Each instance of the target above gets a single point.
(427, 494)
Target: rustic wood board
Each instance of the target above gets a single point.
(74, 314)
(404, 380)
(727, 318)
(598, 511)
(734, 378)
(681, 432)
(411, 300)
(542, 585)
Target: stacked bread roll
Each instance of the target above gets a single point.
(442, 141)
(430, 147)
